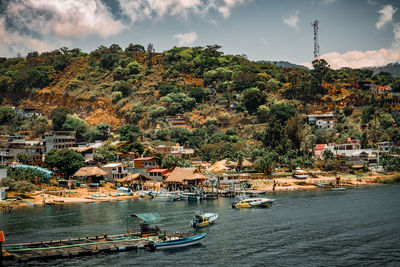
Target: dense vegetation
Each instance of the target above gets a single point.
(236, 108)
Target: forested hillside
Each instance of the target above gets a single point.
(235, 108)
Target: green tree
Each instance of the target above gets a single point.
(58, 116)
(74, 123)
(321, 70)
(24, 158)
(282, 112)
(131, 48)
(199, 93)
(6, 115)
(328, 159)
(129, 132)
(252, 98)
(170, 162)
(66, 161)
(266, 163)
(135, 147)
(104, 129)
(105, 153)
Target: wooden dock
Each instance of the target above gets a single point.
(74, 247)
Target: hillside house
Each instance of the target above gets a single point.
(35, 149)
(177, 121)
(386, 146)
(146, 163)
(5, 156)
(59, 139)
(27, 112)
(87, 150)
(322, 121)
(176, 150)
(126, 157)
(116, 170)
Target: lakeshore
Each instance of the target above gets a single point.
(108, 193)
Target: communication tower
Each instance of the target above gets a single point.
(316, 44)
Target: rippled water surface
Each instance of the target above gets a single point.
(322, 228)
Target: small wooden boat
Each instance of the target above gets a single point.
(178, 241)
(252, 202)
(204, 219)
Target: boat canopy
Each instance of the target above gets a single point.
(151, 217)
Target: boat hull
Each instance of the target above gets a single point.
(251, 203)
(209, 221)
(180, 242)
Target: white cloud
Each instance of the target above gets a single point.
(13, 43)
(371, 2)
(292, 20)
(186, 38)
(386, 16)
(65, 18)
(43, 25)
(360, 59)
(147, 9)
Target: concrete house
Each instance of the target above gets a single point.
(115, 171)
(59, 139)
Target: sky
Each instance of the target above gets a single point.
(352, 33)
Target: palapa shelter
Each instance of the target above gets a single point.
(133, 180)
(220, 166)
(185, 176)
(90, 174)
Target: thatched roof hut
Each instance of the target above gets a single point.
(132, 178)
(220, 166)
(179, 175)
(92, 174)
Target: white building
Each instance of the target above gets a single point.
(115, 170)
(322, 121)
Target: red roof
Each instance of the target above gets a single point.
(320, 147)
(143, 159)
(158, 170)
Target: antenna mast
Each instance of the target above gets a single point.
(316, 44)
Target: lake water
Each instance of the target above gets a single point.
(319, 228)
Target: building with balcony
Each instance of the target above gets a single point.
(115, 170)
(59, 139)
(322, 121)
(176, 150)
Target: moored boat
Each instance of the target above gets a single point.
(204, 219)
(252, 202)
(179, 241)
